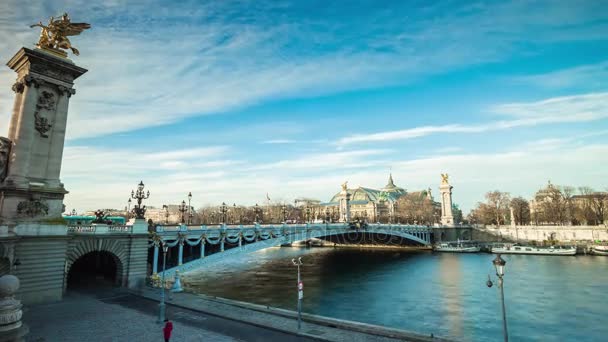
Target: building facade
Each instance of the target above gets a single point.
(368, 204)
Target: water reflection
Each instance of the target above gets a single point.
(450, 273)
(548, 298)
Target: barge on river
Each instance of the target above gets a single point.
(457, 247)
(537, 250)
(599, 250)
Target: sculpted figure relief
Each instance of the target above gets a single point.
(344, 186)
(5, 150)
(46, 101)
(444, 178)
(55, 34)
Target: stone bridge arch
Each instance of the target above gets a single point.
(279, 239)
(115, 248)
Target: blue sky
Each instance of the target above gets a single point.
(234, 99)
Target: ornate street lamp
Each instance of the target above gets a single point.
(499, 265)
(189, 208)
(307, 214)
(139, 195)
(161, 306)
(300, 291)
(234, 216)
(223, 210)
(284, 210)
(327, 217)
(166, 208)
(182, 209)
(256, 211)
(128, 208)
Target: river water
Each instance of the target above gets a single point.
(548, 298)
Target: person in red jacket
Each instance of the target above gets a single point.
(167, 330)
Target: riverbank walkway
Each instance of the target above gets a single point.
(314, 327)
(118, 315)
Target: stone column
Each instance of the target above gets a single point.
(447, 219)
(155, 261)
(31, 184)
(344, 205)
(512, 217)
(180, 253)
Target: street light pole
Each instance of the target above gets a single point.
(234, 217)
(499, 264)
(284, 209)
(166, 207)
(223, 210)
(189, 208)
(300, 291)
(161, 306)
(182, 209)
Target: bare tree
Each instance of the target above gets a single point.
(498, 205)
(521, 210)
(414, 207)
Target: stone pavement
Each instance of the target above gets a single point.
(316, 327)
(85, 318)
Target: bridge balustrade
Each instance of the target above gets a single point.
(99, 229)
(259, 236)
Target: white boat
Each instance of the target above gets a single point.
(551, 250)
(456, 247)
(599, 250)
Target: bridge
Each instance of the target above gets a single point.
(240, 239)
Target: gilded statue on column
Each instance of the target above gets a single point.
(444, 178)
(54, 35)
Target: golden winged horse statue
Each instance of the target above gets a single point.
(54, 36)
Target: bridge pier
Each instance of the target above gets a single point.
(203, 247)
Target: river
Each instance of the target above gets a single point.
(548, 298)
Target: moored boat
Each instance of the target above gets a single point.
(551, 250)
(456, 247)
(599, 250)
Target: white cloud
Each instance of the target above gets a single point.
(588, 76)
(520, 170)
(279, 141)
(152, 64)
(575, 108)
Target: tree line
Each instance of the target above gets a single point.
(554, 205)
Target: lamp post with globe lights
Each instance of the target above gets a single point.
(223, 210)
(140, 195)
(499, 265)
(182, 209)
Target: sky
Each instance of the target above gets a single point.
(231, 100)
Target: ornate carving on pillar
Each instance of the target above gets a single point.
(46, 101)
(18, 87)
(32, 208)
(5, 152)
(30, 80)
(66, 91)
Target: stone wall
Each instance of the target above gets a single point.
(567, 234)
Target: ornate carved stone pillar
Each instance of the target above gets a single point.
(31, 185)
(447, 219)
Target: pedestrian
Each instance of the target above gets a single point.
(167, 330)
